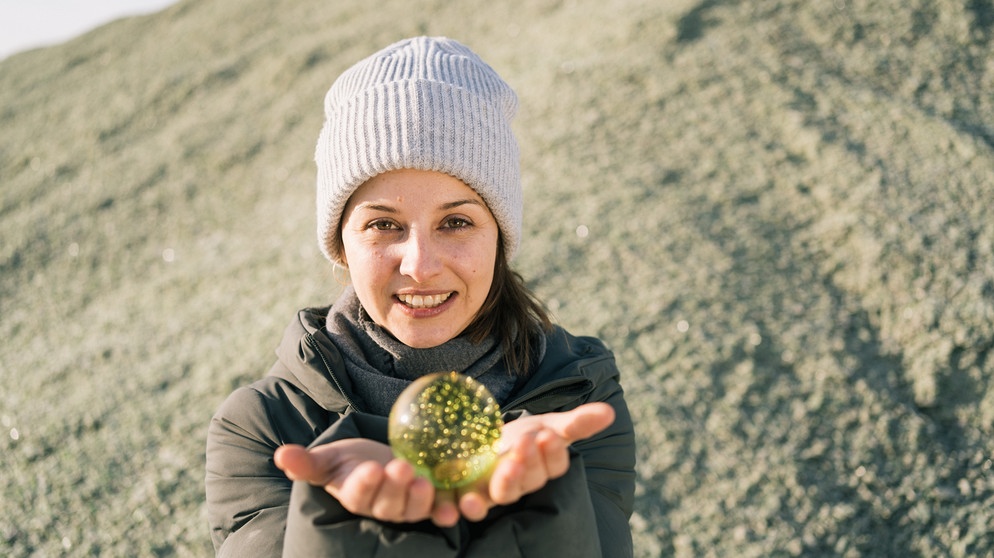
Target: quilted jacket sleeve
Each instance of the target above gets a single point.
(247, 495)
(609, 465)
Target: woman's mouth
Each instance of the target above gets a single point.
(423, 301)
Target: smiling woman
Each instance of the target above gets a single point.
(420, 247)
(419, 197)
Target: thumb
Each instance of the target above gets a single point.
(581, 422)
(296, 462)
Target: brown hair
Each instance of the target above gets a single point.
(514, 314)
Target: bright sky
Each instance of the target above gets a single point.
(26, 24)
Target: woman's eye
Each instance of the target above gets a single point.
(383, 225)
(457, 223)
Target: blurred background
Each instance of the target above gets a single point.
(39, 23)
(777, 214)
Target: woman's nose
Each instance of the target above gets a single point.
(419, 258)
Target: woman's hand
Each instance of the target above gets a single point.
(534, 450)
(367, 480)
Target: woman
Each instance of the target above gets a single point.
(419, 198)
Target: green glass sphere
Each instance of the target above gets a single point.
(446, 425)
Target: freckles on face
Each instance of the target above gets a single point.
(420, 247)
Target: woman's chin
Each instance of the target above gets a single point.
(423, 335)
(423, 341)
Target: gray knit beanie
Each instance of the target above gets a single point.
(427, 103)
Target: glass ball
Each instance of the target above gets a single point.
(446, 425)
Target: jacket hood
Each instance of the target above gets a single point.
(572, 368)
(307, 358)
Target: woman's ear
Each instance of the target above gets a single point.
(340, 271)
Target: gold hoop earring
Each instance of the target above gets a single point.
(340, 273)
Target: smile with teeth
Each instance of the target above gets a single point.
(423, 301)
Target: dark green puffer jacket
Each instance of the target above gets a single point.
(254, 510)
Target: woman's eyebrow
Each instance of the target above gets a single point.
(370, 206)
(457, 203)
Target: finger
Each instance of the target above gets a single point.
(506, 480)
(390, 501)
(357, 491)
(534, 475)
(555, 453)
(444, 512)
(474, 506)
(420, 498)
(504, 485)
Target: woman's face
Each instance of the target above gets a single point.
(420, 247)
